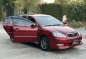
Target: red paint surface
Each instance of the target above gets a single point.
(29, 34)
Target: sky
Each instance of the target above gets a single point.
(49, 1)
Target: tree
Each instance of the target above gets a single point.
(0, 9)
(8, 7)
(63, 4)
(74, 9)
(27, 6)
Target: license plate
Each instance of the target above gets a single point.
(75, 42)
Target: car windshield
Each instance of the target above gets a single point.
(49, 21)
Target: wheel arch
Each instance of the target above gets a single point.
(41, 37)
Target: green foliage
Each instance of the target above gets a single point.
(27, 5)
(8, 7)
(74, 9)
(0, 9)
(75, 13)
(51, 9)
(0, 14)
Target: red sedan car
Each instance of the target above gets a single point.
(45, 30)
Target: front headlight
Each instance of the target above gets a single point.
(57, 34)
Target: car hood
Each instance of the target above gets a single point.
(62, 29)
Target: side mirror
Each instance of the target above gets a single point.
(33, 25)
(65, 23)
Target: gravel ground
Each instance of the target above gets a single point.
(9, 50)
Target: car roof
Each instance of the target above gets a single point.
(15, 17)
(35, 15)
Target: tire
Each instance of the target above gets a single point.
(44, 43)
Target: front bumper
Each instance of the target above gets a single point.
(64, 43)
(65, 46)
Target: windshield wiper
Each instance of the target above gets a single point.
(48, 25)
(57, 25)
(54, 25)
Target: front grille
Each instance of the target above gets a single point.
(73, 34)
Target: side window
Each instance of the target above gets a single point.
(22, 22)
(31, 19)
(8, 20)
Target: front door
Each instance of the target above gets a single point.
(23, 32)
(8, 26)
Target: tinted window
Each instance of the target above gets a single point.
(8, 20)
(22, 22)
(31, 19)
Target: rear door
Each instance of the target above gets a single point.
(23, 32)
(8, 26)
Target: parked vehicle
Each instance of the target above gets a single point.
(45, 30)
